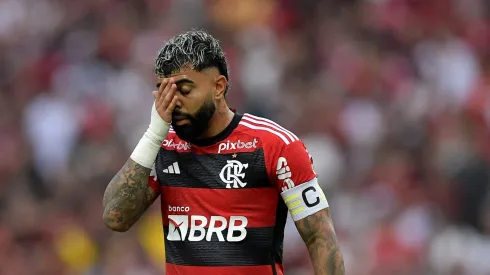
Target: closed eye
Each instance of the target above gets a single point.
(185, 91)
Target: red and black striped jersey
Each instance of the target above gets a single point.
(221, 199)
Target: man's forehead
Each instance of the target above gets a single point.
(176, 77)
(188, 73)
(181, 74)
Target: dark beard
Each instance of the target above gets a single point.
(198, 123)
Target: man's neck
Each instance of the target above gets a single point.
(220, 120)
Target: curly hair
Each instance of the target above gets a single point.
(195, 49)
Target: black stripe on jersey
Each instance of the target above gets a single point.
(254, 250)
(281, 218)
(208, 170)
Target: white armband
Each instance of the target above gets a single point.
(305, 199)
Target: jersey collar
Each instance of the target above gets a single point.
(221, 136)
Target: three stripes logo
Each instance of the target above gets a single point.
(172, 169)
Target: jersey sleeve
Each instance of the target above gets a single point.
(291, 172)
(153, 180)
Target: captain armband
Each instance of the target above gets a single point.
(305, 199)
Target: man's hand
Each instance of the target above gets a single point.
(319, 236)
(165, 99)
(161, 115)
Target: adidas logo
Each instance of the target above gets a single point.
(172, 169)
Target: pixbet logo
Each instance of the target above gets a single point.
(198, 229)
(283, 172)
(178, 146)
(228, 145)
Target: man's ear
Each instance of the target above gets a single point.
(221, 84)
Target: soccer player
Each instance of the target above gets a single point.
(226, 180)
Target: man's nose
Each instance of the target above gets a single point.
(178, 105)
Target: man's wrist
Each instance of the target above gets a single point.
(147, 149)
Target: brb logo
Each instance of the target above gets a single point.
(198, 229)
(232, 173)
(178, 146)
(283, 172)
(225, 146)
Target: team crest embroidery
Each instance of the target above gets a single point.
(233, 174)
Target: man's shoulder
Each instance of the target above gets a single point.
(266, 130)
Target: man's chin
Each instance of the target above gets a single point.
(181, 122)
(184, 132)
(181, 125)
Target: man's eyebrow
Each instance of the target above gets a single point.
(184, 81)
(178, 82)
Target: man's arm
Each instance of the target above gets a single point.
(319, 236)
(291, 170)
(127, 196)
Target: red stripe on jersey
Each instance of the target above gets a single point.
(173, 142)
(172, 269)
(153, 183)
(236, 143)
(258, 205)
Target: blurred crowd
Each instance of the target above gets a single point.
(391, 97)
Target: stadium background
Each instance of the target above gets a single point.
(392, 98)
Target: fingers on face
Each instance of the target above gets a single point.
(171, 106)
(169, 83)
(161, 89)
(165, 100)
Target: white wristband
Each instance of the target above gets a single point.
(147, 149)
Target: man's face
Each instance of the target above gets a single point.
(196, 105)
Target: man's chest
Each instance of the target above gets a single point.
(239, 170)
(203, 188)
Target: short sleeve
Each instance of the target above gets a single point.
(292, 166)
(291, 171)
(153, 180)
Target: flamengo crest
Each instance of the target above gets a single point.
(232, 173)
